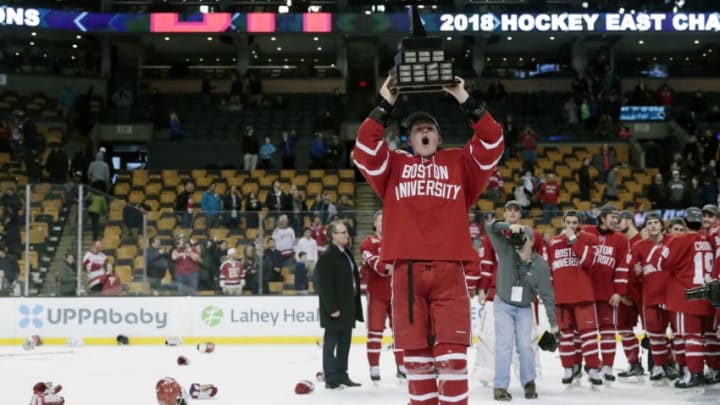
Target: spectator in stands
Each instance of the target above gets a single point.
(156, 264)
(272, 264)
(529, 139)
(56, 165)
(175, 132)
(611, 188)
(5, 288)
(697, 105)
(210, 262)
(277, 202)
(267, 151)
(298, 209)
(232, 205)
(345, 208)
(584, 180)
(586, 113)
(331, 208)
(301, 274)
(206, 89)
(523, 192)
(67, 279)
(641, 95)
(99, 173)
(306, 244)
(72, 189)
(318, 152)
(494, 190)
(186, 257)
(9, 268)
(571, 111)
(284, 237)
(211, 204)
(657, 193)
(66, 101)
(676, 190)
(111, 284)
(327, 123)
(94, 265)
(604, 161)
(287, 150)
(318, 232)
(335, 154)
(319, 206)
(250, 148)
(96, 206)
(184, 205)
(548, 196)
(709, 189)
(694, 194)
(251, 266)
(123, 100)
(132, 219)
(252, 211)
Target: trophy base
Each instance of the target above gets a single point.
(424, 88)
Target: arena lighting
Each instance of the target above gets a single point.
(167, 38)
(641, 42)
(697, 41)
(509, 38)
(552, 38)
(585, 4)
(33, 33)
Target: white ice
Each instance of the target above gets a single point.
(267, 374)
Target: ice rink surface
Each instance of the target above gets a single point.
(267, 374)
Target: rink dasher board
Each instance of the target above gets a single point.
(151, 320)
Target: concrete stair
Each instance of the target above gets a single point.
(366, 203)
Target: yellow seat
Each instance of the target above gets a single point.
(300, 180)
(227, 173)
(317, 174)
(287, 174)
(347, 174)
(314, 188)
(257, 174)
(250, 187)
(330, 180)
(346, 188)
(127, 252)
(218, 233)
(125, 273)
(275, 287)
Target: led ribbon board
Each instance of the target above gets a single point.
(83, 21)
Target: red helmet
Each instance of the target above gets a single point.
(169, 392)
(304, 387)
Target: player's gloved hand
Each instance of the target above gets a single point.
(389, 269)
(614, 300)
(548, 341)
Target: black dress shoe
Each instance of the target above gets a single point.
(349, 383)
(332, 386)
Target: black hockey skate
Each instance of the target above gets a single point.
(569, 375)
(712, 377)
(607, 374)
(658, 373)
(696, 380)
(635, 370)
(671, 372)
(594, 377)
(401, 374)
(374, 373)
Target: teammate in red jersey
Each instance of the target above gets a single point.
(656, 318)
(688, 258)
(711, 228)
(609, 275)
(426, 197)
(379, 294)
(570, 255)
(628, 309)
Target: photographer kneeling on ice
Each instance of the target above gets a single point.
(522, 274)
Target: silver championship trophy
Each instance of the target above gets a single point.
(420, 64)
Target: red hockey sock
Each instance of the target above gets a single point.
(568, 348)
(374, 347)
(679, 349)
(422, 383)
(630, 345)
(658, 347)
(712, 350)
(578, 347)
(590, 350)
(607, 345)
(451, 361)
(398, 356)
(694, 352)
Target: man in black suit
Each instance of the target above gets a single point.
(340, 307)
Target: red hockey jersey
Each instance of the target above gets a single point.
(231, 273)
(689, 260)
(426, 199)
(377, 278)
(634, 288)
(488, 268)
(569, 265)
(654, 282)
(609, 271)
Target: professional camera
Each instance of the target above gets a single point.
(710, 292)
(517, 239)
